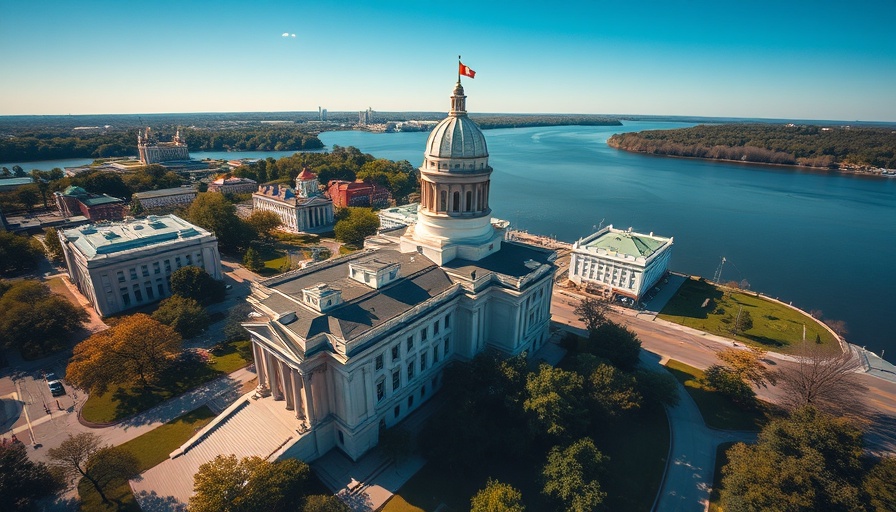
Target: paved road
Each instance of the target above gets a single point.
(689, 474)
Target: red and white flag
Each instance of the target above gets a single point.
(465, 70)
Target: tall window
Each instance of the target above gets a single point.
(410, 343)
(469, 205)
(422, 361)
(380, 390)
(396, 352)
(396, 379)
(455, 199)
(443, 199)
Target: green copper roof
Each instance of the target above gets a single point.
(629, 244)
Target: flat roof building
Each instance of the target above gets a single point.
(620, 262)
(166, 197)
(302, 209)
(398, 216)
(121, 265)
(233, 185)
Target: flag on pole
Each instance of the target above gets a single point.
(465, 70)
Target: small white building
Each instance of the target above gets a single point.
(620, 262)
(303, 209)
(233, 185)
(121, 265)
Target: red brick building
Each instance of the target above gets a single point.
(357, 193)
(77, 201)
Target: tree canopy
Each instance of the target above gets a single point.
(355, 225)
(228, 484)
(85, 455)
(215, 213)
(556, 397)
(571, 475)
(18, 253)
(136, 349)
(195, 283)
(185, 315)
(22, 481)
(616, 343)
(497, 497)
(35, 320)
(821, 379)
(806, 462)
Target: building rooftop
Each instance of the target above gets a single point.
(96, 200)
(176, 191)
(96, 241)
(625, 243)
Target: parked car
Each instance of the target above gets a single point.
(56, 388)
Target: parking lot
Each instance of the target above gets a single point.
(27, 402)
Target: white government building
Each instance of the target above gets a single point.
(122, 265)
(355, 344)
(620, 262)
(303, 209)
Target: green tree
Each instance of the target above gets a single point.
(53, 245)
(497, 497)
(18, 253)
(264, 222)
(617, 344)
(747, 365)
(880, 485)
(22, 481)
(658, 386)
(324, 503)
(806, 462)
(233, 329)
(227, 484)
(571, 475)
(743, 322)
(215, 213)
(137, 348)
(396, 443)
(195, 283)
(612, 391)
(356, 225)
(35, 320)
(85, 455)
(252, 260)
(186, 316)
(556, 397)
(103, 182)
(27, 196)
(729, 384)
(592, 312)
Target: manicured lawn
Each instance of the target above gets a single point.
(637, 447)
(123, 401)
(717, 410)
(295, 239)
(228, 358)
(150, 449)
(721, 459)
(775, 326)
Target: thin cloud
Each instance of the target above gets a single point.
(286, 34)
(292, 35)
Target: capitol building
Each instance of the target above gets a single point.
(353, 345)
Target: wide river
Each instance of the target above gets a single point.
(824, 242)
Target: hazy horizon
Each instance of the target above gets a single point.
(798, 60)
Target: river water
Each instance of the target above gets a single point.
(822, 242)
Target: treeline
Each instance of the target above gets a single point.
(52, 144)
(491, 121)
(811, 146)
(342, 163)
(113, 183)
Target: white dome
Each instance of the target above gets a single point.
(456, 137)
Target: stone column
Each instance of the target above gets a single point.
(309, 399)
(297, 394)
(273, 378)
(258, 354)
(286, 373)
(371, 390)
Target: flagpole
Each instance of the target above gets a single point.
(458, 69)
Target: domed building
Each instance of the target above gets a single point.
(351, 346)
(454, 219)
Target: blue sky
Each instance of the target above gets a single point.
(780, 59)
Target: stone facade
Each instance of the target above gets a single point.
(152, 151)
(123, 265)
(357, 193)
(233, 185)
(355, 344)
(166, 197)
(303, 209)
(620, 263)
(77, 201)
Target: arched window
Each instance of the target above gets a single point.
(443, 201)
(479, 198)
(468, 206)
(456, 202)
